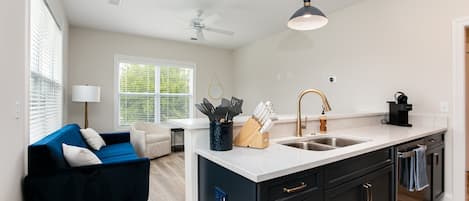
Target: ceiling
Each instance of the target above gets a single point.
(169, 19)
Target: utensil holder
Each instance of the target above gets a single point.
(221, 136)
(249, 136)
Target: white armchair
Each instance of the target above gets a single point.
(149, 140)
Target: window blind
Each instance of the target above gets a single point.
(46, 86)
(153, 92)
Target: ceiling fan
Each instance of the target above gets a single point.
(198, 26)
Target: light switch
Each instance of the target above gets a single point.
(18, 110)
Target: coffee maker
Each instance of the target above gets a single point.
(399, 110)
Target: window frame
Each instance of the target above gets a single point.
(119, 58)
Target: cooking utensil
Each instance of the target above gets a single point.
(205, 111)
(237, 105)
(209, 106)
(225, 103)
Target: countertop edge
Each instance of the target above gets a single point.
(310, 165)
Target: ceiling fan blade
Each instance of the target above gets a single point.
(220, 31)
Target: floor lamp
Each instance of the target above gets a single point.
(86, 94)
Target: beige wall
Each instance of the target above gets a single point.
(375, 48)
(92, 62)
(13, 51)
(14, 37)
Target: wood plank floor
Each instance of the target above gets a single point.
(167, 178)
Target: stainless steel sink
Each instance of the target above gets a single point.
(337, 142)
(323, 144)
(309, 146)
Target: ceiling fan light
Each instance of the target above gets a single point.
(307, 18)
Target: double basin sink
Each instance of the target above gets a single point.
(323, 143)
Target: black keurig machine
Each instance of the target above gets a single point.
(399, 110)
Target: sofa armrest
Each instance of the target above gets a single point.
(118, 181)
(115, 138)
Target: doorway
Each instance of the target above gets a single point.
(467, 110)
(457, 170)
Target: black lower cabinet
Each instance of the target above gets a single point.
(219, 184)
(376, 186)
(367, 177)
(354, 180)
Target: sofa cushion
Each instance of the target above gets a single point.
(47, 156)
(116, 153)
(79, 156)
(93, 138)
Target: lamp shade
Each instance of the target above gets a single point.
(307, 18)
(85, 93)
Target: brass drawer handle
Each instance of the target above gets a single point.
(369, 193)
(295, 189)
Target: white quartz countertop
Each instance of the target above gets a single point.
(278, 160)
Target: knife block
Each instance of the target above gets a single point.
(249, 136)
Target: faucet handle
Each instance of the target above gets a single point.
(303, 126)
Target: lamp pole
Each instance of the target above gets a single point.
(86, 115)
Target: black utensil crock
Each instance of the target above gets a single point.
(221, 136)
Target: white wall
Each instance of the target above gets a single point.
(92, 62)
(374, 48)
(13, 62)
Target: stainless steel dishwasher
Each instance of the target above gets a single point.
(435, 169)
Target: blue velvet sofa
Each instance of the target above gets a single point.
(123, 176)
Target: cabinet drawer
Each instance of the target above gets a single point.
(300, 186)
(434, 140)
(348, 169)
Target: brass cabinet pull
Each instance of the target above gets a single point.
(366, 187)
(369, 193)
(295, 189)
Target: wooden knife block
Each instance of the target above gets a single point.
(249, 136)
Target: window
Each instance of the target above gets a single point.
(46, 88)
(153, 91)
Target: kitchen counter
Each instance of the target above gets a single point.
(278, 160)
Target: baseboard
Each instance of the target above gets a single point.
(448, 197)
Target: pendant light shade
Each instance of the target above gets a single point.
(307, 18)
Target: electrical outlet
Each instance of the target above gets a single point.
(332, 78)
(220, 195)
(444, 107)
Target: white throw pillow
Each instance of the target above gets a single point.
(79, 156)
(93, 138)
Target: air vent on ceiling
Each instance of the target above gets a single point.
(115, 2)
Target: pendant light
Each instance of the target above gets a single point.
(307, 18)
